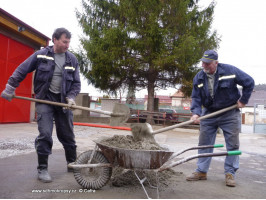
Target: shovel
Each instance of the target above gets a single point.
(119, 115)
(144, 131)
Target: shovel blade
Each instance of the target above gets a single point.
(122, 109)
(142, 131)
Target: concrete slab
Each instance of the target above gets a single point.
(18, 163)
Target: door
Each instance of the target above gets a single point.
(12, 54)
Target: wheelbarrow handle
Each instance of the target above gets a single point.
(193, 148)
(81, 166)
(173, 164)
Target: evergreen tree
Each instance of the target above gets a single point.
(153, 44)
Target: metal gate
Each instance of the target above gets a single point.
(259, 118)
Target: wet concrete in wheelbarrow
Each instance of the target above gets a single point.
(18, 163)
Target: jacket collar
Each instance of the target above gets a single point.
(51, 50)
(220, 71)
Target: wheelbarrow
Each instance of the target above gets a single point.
(93, 168)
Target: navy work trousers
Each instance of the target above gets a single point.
(230, 123)
(46, 115)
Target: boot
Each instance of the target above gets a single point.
(230, 180)
(71, 156)
(196, 176)
(42, 168)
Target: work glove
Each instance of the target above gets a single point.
(8, 93)
(70, 103)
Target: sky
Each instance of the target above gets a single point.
(240, 24)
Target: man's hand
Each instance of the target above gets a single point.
(240, 105)
(70, 102)
(195, 119)
(8, 93)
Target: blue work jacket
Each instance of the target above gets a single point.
(43, 62)
(225, 89)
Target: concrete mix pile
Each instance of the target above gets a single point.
(128, 142)
(125, 177)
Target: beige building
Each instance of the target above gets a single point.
(179, 100)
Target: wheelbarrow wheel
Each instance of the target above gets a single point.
(92, 178)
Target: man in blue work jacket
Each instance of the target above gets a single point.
(214, 88)
(56, 79)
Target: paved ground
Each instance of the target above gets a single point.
(18, 163)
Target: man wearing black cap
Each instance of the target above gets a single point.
(215, 88)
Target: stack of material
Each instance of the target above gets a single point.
(128, 142)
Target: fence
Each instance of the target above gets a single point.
(259, 118)
(163, 118)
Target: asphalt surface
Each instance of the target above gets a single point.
(18, 162)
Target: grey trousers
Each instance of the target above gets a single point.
(63, 118)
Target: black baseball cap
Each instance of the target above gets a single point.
(209, 56)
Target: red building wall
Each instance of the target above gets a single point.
(13, 53)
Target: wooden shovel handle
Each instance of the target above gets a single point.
(191, 121)
(66, 105)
